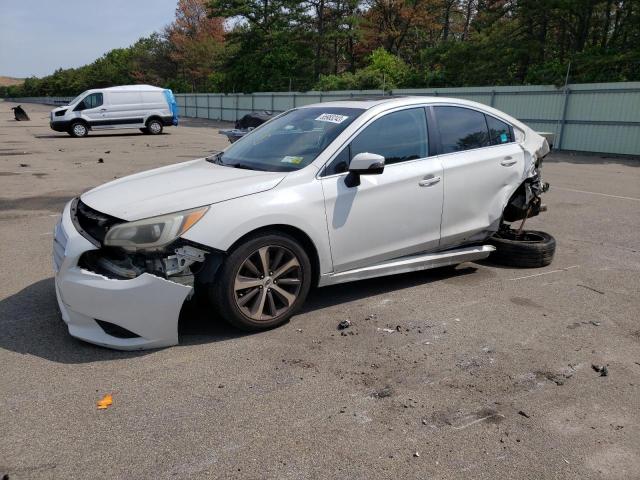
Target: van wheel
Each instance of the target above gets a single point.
(263, 282)
(529, 250)
(154, 127)
(78, 129)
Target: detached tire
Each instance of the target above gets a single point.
(263, 282)
(533, 249)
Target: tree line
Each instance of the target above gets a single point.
(280, 45)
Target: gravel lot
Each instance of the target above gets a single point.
(486, 372)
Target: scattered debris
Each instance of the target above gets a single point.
(299, 330)
(594, 323)
(100, 160)
(105, 402)
(424, 421)
(388, 330)
(398, 327)
(383, 392)
(416, 454)
(108, 151)
(601, 369)
(523, 413)
(24, 165)
(221, 386)
(591, 288)
(19, 114)
(344, 324)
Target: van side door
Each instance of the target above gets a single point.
(483, 166)
(125, 109)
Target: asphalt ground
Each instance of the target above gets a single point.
(478, 372)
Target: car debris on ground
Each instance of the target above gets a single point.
(19, 114)
(603, 370)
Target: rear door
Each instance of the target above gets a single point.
(482, 168)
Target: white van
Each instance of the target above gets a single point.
(144, 107)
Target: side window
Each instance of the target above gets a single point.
(461, 129)
(499, 132)
(90, 101)
(398, 137)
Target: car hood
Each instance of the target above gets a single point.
(177, 187)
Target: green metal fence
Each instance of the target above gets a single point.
(595, 117)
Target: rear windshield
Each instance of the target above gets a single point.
(291, 141)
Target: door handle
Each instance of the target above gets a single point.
(508, 161)
(429, 181)
(103, 109)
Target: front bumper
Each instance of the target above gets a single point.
(60, 125)
(148, 306)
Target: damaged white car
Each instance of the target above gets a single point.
(319, 195)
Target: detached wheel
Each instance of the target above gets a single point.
(154, 127)
(78, 129)
(530, 250)
(263, 282)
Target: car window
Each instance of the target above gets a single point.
(90, 101)
(461, 129)
(499, 132)
(398, 137)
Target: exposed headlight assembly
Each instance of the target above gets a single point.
(153, 233)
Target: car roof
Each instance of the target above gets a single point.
(369, 102)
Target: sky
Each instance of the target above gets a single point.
(39, 36)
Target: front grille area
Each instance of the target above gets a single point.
(93, 225)
(59, 245)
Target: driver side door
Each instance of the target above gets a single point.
(393, 214)
(91, 109)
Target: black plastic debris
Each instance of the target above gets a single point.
(601, 369)
(20, 114)
(101, 160)
(344, 324)
(524, 414)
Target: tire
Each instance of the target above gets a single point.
(154, 127)
(78, 129)
(532, 250)
(277, 298)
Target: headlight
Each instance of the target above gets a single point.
(153, 233)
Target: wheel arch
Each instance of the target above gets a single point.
(153, 117)
(300, 235)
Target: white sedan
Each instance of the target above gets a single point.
(319, 195)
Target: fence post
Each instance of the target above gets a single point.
(567, 92)
(252, 102)
(237, 99)
(493, 98)
(294, 100)
(221, 105)
(208, 108)
(195, 98)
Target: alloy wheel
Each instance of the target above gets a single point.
(268, 283)
(79, 130)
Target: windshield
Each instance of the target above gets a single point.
(289, 142)
(75, 100)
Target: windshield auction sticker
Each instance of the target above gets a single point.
(292, 159)
(331, 117)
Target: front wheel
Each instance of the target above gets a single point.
(78, 129)
(263, 282)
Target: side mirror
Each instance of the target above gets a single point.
(364, 163)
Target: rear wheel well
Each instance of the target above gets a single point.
(153, 117)
(304, 240)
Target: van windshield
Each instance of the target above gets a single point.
(77, 99)
(289, 142)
